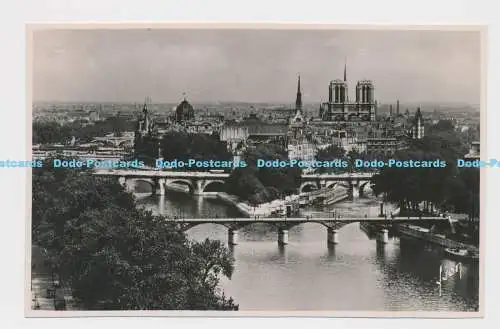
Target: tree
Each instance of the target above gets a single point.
(182, 146)
(53, 132)
(331, 153)
(443, 125)
(260, 185)
(354, 155)
(116, 256)
(448, 188)
(50, 132)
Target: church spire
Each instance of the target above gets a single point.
(345, 69)
(298, 100)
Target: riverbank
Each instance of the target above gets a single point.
(278, 207)
(436, 239)
(420, 233)
(264, 209)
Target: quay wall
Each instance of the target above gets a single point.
(408, 230)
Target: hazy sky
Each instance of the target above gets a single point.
(253, 65)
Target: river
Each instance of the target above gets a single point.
(306, 275)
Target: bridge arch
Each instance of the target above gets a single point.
(211, 184)
(188, 226)
(140, 185)
(327, 223)
(337, 184)
(308, 187)
(126, 143)
(276, 226)
(232, 226)
(362, 186)
(99, 143)
(109, 143)
(181, 181)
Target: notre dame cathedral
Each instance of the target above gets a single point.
(340, 108)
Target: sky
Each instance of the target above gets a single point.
(253, 65)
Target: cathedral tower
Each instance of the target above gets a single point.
(340, 108)
(299, 116)
(298, 100)
(418, 125)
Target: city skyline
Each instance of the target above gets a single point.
(253, 66)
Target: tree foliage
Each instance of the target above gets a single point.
(183, 146)
(53, 132)
(331, 153)
(449, 188)
(334, 152)
(260, 185)
(116, 256)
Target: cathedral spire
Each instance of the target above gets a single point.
(345, 69)
(298, 100)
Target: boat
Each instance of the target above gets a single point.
(462, 254)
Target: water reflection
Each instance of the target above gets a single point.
(283, 253)
(381, 253)
(331, 252)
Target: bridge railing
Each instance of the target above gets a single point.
(155, 172)
(159, 173)
(318, 217)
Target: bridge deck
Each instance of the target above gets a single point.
(311, 219)
(148, 173)
(207, 174)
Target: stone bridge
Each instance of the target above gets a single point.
(122, 141)
(353, 182)
(199, 181)
(283, 224)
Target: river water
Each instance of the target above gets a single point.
(306, 275)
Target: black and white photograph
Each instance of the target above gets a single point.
(256, 169)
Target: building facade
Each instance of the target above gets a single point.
(474, 152)
(418, 126)
(340, 108)
(383, 147)
(184, 112)
(146, 137)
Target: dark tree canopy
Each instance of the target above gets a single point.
(183, 146)
(115, 256)
(53, 132)
(449, 188)
(331, 153)
(260, 185)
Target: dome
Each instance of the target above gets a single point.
(184, 111)
(184, 107)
